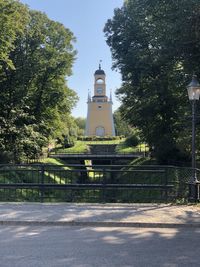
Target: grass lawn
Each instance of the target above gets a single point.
(79, 147)
(82, 146)
(122, 147)
(106, 142)
(56, 173)
(52, 161)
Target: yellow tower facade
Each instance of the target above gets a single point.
(99, 116)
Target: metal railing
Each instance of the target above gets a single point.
(99, 153)
(99, 183)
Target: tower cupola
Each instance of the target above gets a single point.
(99, 71)
(99, 117)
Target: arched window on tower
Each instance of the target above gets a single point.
(99, 81)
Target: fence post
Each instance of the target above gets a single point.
(104, 183)
(166, 183)
(42, 184)
(197, 191)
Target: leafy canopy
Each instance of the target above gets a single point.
(155, 45)
(13, 19)
(35, 101)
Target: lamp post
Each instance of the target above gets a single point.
(193, 94)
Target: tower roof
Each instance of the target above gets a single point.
(99, 71)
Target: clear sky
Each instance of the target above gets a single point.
(86, 19)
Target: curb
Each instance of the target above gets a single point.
(100, 224)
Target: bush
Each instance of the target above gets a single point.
(68, 142)
(98, 138)
(132, 140)
(167, 153)
(6, 157)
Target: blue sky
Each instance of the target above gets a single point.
(86, 19)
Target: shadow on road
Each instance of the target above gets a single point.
(100, 246)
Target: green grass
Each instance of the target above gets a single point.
(79, 147)
(143, 161)
(82, 146)
(175, 176)
(104, 142)
(57, 173)
(52, 161)
(122, 147)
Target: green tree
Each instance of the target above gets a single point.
(80, 122)
(35, 101)
(155, 44)
(121, 125)
(12, 23)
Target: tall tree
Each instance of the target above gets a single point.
(35, 101)
(80, 122)
(121, 126)
(12, 23)
(155, 44)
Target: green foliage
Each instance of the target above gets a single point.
(52, 161)
(132, 140)
(121, 125)
(13, 19)
(125, 147)
(154, 45)
(82, 146)
(80, 122)
(68, 142)
(5, 157)
(79, 147)
(99, 138)
(35, 101)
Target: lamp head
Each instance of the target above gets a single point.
(193, 89)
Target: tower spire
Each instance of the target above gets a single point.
(89, 96)
(100, 64)
(110, 95)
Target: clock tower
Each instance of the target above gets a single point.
(99, 116)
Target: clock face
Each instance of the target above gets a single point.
(99, 90)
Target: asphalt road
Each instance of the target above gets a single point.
(33, 246)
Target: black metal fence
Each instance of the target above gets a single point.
(97, 184)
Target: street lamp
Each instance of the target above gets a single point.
(193, 94)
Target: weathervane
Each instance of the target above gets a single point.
(100, 64)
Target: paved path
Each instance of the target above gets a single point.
(26, 239)
(149, 215)
(33, 246)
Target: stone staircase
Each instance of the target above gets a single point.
(102, 149)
